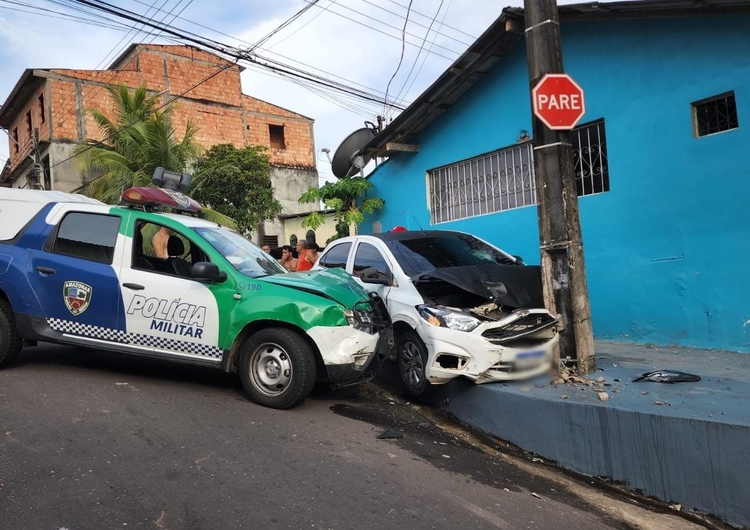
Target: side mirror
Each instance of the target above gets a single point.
(205, 270)
(519, 259)
(371, 275)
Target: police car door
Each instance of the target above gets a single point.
(166, 313)
(73, 276)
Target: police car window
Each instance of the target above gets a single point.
(182, 253)
(87, 235)
(336, 257)
(369, 262)
(244, 256)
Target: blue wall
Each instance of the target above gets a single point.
(667, 248)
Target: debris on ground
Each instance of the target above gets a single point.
(603, 396)
(676, 507)
(389, 434)
(535, 495)
(668, 376)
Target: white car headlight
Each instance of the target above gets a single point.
(438, 316)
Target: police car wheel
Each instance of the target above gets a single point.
(10, 340)
(277, 368)
(411, 356)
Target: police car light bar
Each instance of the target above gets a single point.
(158, 198)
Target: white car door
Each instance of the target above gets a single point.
(370, 267)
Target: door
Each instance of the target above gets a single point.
(165, 311)
(75, 281)
(369, 263)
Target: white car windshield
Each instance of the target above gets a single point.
(420, 254)
(244, 255)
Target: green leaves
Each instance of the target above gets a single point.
(342, 197)
(135, 143)
(236, 183)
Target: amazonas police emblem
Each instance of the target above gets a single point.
(77, 296)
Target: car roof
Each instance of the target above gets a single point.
(42, 197)
(414, 234)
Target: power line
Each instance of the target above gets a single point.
(229, 51)
(417, 23)
(401, 59)
(416, 59)
(268, 50)
(64, 16)
(71, 103)
(424, 59)
(473, 38)
(388, 34)
(285, 24)
(303, 25)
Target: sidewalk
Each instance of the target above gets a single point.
(685, 443)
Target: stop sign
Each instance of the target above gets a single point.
(558, 101)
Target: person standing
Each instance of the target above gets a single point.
(311, 256)
(287, 259)
(302, 250)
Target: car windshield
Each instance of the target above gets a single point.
(419, 255)
(245, 256)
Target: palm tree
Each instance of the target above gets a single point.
(139, 139)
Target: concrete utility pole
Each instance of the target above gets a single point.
(563, 265)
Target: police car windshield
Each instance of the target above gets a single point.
(241, 253)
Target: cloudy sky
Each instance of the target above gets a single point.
(355, 42)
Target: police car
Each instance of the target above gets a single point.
(79, 272)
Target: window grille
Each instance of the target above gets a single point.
(504, 179)
(715, 115)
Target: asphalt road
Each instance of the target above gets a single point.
(93, 440)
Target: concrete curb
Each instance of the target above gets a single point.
(684, 443)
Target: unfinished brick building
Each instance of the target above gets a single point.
(56, 102)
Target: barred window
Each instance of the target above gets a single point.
(504, 179)
(715, 115)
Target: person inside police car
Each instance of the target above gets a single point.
(160, 243)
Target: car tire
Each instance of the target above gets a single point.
(277, 368)
(10, 340)
(411, 357)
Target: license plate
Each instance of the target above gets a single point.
(529, 355)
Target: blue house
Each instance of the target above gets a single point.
(663, 183)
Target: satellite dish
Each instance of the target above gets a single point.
(348, 160)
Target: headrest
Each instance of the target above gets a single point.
(175, 247)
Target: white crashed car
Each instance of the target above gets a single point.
(460, 306)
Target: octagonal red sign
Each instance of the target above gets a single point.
(558, 101)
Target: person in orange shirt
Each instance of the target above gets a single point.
(302, 263)
(309, 258)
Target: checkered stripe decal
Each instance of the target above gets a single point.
(85, 330)
(76, 328)
(175, 345)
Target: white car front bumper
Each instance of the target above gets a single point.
(454, 353)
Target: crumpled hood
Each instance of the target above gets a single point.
(334, 284)
(517, 286)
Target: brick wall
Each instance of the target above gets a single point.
(19, 128)
(222, 113)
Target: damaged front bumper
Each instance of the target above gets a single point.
(516, 347)
(355, 354)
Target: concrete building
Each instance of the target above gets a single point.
(662, 181)
(56, 102)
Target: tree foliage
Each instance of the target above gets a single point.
(343, 197)
(237, 183)
(139, 138)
